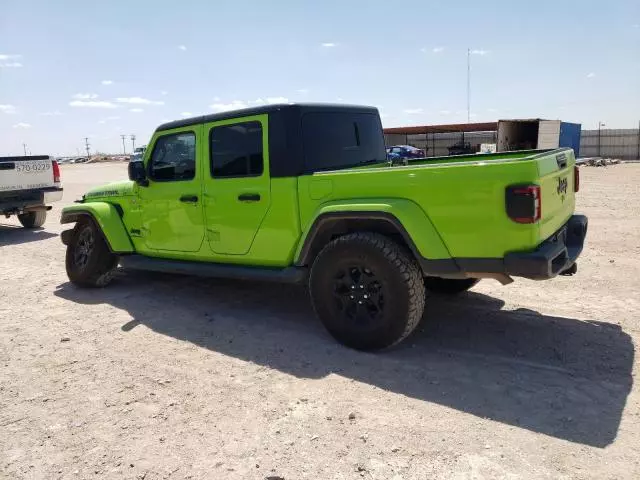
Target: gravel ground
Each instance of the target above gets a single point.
(161, 376)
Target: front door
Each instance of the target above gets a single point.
(236, 184)
(172, 217)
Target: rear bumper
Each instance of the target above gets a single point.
(553, 256)
(16, 201)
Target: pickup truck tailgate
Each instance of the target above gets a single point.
(557, 191)
(26, 173)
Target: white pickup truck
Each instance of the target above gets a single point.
(27, 186)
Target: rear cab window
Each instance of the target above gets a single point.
(337, 140)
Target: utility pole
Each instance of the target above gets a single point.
(124, 148)
(24, 148)
(600, 125)
(86, 145)
(468, 85)
(133, 142)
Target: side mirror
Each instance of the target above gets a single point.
(137, 173)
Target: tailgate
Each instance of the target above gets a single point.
(25, 173)
(557, 190)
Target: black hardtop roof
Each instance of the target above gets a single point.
(244, 112)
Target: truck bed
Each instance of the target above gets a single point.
(462, 196)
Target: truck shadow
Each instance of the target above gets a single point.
(15, 235)
(561, 377)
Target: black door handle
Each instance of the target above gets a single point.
(189, 199)
(249, 197)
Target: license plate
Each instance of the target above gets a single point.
(33, 167)
(563, 185)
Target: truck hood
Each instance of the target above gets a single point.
(114, 189)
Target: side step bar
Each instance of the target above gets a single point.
(296, 275)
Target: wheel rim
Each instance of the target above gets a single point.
(84, 247)
(359, 296)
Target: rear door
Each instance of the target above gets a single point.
(557, 190)
(236, 184)
(25, 173)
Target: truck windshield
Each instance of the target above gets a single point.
(337, 140)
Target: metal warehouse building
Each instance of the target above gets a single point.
(440, 140)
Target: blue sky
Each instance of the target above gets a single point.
(71, 69)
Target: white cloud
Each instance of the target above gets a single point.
(107, 82)
(591, 75)
(85, 96)
(303, 91)
(413, 111)
(163, 92)
(136, 110)
(4, 63)
(238, 104)
(479, 52)
(274, 100)
(216, 99)
(7, 109)
(138, 101)
(445, 112)
(225, 107)
(102, 122)
(92, 104)
(109, 119)
(492, 110)
(22, 125)
(438, 49)
(186, 114)
(50, 114)
(329, 45)
(182, 47)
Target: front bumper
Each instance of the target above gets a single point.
(554, 256)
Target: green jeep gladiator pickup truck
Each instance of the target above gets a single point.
(305, 193)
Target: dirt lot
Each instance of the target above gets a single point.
(163, 376)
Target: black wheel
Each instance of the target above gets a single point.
(449, 286)
(367, 290)
(33, 219)
(89, 262)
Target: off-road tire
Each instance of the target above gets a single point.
(33, 219)
(89, 266)
(388, 274)
(449, 286)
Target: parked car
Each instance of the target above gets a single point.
(27, 186)
(295, 193)
(404, 151)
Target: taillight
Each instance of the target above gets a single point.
(523, 203)
(56, 171)
(576, 179)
